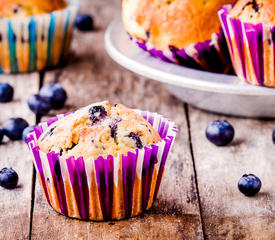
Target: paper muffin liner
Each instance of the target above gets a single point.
(104, 188)
(251, 47)
(211, 55)
(37, 42)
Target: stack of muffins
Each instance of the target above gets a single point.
(189, 33)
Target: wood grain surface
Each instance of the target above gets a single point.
(228, 214)
(15, 204)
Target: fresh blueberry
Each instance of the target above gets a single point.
(39, 105)
(219, 132)
(14, 128)
(55, 93)
(97, 113)
(8, 178)
(2, 133)
(249, 184)
(25, 133)
(6, 92)
(84, 22)
(273, 136)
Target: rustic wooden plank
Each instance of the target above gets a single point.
(15, 204)
(227, 214)
(92, 76)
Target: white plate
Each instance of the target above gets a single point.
(218, 93)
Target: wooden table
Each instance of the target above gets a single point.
(198, 199)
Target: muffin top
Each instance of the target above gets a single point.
(24, 8)
(255, 11)
(98, 130)
(172, 22)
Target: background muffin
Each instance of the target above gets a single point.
(35, 34)
(179, 24)
(249, 29)
(19, 8)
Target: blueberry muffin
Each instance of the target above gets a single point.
(102, 162)
(19, 8)
(170, 25)
(98, 130)
(249, 28)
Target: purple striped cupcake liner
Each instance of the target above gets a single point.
(104, 188)
(251, 47)
(34, 43)
(211, 55)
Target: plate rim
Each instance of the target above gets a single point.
(174, 79)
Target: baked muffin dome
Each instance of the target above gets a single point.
(255, 11)
(178, 23)
(98, 130)
(24, 8)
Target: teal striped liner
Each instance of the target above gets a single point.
(12, 48)
(31, 26)
(50, 38)
(32, 42)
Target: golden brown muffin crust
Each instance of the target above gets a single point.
(98, 130)
(172, 22)
(24, 8)
(255, 11)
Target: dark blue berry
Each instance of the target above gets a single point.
(39, 105)
(249, 184)
(2, 134)
(97, 113)
(55, 93)
(220, 132)
(255, 6)
(273, 136)
(6, 92)
(8, 178)
(84, 22)
(136, 138)
(113, 128)
(25, 133)
(14, 128)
